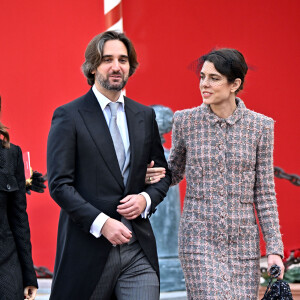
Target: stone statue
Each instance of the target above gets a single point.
(165, 221)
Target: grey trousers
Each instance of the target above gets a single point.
(128, 275)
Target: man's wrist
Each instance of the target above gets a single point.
(145, 213)
(97, 225)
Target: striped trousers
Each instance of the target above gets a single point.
(127, 275)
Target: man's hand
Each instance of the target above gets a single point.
(274, 259)
(154, 175)
(132, 206)
(116, 232)
(30, 292)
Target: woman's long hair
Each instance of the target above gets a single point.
(4, 133)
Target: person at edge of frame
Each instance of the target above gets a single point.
(17, 276)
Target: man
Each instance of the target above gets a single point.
(97, 158)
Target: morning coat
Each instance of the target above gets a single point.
(85, 179)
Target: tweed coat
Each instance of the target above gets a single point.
(228, 165)
(16, 266)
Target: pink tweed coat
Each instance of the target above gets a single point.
(228, 164)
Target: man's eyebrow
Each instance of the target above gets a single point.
(109, 55)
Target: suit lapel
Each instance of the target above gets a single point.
(95, 122)
(136, 129)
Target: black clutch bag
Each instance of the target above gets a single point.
(279, 289)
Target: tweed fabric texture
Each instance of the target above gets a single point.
(228, 164)
(16, 266)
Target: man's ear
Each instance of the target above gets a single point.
(93, 72)
(236, 84)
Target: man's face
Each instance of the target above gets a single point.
(113, 71)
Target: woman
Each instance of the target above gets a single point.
(226, 153)
(17, 275)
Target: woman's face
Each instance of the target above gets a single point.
(214, 87)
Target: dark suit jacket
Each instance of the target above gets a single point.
(85, 179)
(16, 266)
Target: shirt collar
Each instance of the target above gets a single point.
(103, 101)
(237, 114)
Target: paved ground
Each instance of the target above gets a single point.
(44, 290)
(45, 284)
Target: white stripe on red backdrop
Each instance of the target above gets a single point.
(113, 15)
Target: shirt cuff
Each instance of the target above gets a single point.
(97, 225)
(145, 213)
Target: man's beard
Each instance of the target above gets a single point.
(104, 82)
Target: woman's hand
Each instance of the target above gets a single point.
(30, 292)
(274, 259)
(154, 175)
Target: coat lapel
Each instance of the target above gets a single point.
(95, 122)
(136, 129)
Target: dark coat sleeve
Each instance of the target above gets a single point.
(61, 158)
(18, 221)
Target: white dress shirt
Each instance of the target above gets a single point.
(123, 128)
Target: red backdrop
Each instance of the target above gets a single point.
(42, 49)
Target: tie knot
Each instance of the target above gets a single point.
(113, 108)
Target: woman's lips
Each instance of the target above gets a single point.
(206, 94)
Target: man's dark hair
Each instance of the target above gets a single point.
(94, 51)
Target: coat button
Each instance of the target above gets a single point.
(221, 191)
(220, 237)
(225, 278)
(223, 259)
(232, 240)
(223, 214)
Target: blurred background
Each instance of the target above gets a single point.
(42, 49)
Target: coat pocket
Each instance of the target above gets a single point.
(192, 237)
(248, 242)
(8, 183)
